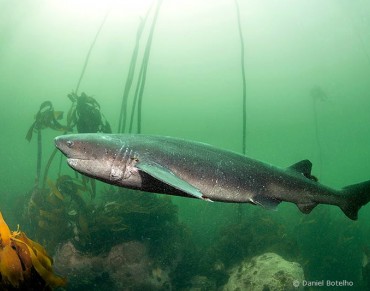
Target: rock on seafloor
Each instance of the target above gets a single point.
(127, 266)
(266, 272)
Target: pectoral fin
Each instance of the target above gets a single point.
(166, 176)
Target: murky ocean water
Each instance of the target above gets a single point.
(306, 68)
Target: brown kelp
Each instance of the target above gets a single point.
(59, 211)
(244, 86)
(130, 75)
(85, 114)
(46, 117)
(144, 68)
(24, 264)
(140, 85)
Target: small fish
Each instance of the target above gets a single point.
(192, 169)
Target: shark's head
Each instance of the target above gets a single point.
(100, 156)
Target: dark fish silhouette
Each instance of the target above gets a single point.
(191, 169)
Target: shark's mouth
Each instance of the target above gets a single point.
(73, 162)
(80, 164)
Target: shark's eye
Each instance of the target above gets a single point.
(69, 143)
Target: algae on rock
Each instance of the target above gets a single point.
(266, 272)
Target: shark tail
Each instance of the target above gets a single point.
(355, 196)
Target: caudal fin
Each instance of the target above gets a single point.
(356, 196)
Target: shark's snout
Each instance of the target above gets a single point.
(65, 144)
(79, 146)
(72, 162)
(58, 141)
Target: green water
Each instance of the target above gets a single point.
(193, 90)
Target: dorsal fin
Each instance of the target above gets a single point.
(303, 167)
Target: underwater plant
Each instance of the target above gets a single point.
(144, 67)
(60, 212)
(130, 76)
(244, 88)
(242, 62)
(24, 263)
(64, 211)
(85, 114)
(140, 85)
(46, 117)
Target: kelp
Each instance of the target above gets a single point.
(19, 256)
(244, 86)
(244, 92)
(140, 85)
(85, 115)
(60, 210)
(55, 190)
(130, 77)
(145, 66)
(46, 117)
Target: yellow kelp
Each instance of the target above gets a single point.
(18, 255)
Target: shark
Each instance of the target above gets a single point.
(174, 166)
